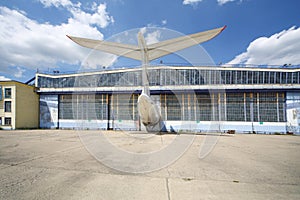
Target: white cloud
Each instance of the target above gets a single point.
(100, 17)
(19, 72)
(150, 37)
(56, 3)
(94, 6)
(164, 22)
(278, 49)
(3, 78)
(222, 2)
(27, 43)
(195, 2)
(191, 2)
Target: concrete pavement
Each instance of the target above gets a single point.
(54, 164)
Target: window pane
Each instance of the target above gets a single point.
(204, 107)
(235, 107)
(173, 108)
(7, 121)
(7, 93)
(7, 106)
(268, 107)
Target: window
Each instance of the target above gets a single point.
(87, 107)
(173, 108)
(204, 107)
(7, 93)
(268, 108)
(7, 106)
(235, 107)
(7, 121)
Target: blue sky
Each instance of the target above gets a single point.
(33, 32)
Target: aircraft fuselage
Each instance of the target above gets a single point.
(148, 110)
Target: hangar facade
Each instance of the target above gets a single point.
(191, 98)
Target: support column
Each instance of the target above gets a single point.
(225, 106)
(196, 103)
(189, 107)
(117, 104)
(277, 106)
(182, 107)
(166, 109)
(251, 107)
(252, 111)
(213, 106)
(284, 107)
(219, 107)
(133, 107)
(245, 106)
(258, 115)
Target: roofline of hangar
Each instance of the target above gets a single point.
(158, 92)
(222, 68)
(162, 89)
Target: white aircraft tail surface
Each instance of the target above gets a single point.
(155, 50)
(148, 110)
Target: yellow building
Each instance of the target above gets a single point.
(19, 105)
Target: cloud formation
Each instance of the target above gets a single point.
(100, 17)
(151, 37)
(57, 3)
(278, 49)
(28, 44)
(191, 2)
(195, 2)
(222, 2)
(3, 78)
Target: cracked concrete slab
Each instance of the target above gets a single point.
(54, 164)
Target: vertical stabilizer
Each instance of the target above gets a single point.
(145, 63)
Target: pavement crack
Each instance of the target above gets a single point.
(168, 189)
(43, 156)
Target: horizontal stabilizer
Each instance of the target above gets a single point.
(170, 46)
(154, 51)
(118, 49)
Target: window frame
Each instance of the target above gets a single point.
(6, 108)
(5, 121)
(6, 92)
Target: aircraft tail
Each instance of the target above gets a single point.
(145, 63)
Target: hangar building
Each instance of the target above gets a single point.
(244, 99)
